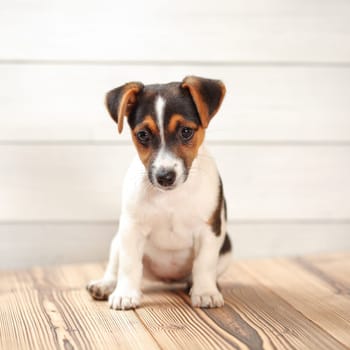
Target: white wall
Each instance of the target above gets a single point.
(281, 139)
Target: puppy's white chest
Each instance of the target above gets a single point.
(171, 232)
(169, 248)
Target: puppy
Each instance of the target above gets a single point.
(173, 216)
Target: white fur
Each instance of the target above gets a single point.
(160, 107)
(167, 233)
(165, 159)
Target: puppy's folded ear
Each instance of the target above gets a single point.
(121, 100)
(207, 95)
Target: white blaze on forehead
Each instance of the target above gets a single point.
(165, 159)
(159, 107)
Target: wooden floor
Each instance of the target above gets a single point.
(301, 303)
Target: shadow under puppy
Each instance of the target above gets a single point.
(173, 215)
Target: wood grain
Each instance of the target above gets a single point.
(313, 295)
(330, 269)
(49, 308)
(258, 317)
(175, 324)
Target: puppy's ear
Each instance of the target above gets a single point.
(120, 101)
(207, 95)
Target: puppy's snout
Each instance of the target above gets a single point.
(165, 177)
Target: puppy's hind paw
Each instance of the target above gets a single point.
(211, 300)
(101, 289)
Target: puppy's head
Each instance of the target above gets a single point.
(167, 122)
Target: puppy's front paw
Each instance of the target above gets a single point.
(124, 301)
(207, 300)
(101, 289)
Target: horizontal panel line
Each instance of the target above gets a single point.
(315, 221)
(302, 143)
(63, 62)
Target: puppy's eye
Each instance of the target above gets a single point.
(186, 133)
(144, 137)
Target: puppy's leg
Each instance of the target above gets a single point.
(101, 289)
(127, 294)
(204, 292)
(224, 262)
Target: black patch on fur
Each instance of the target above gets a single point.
(177, 101)
(226, 245)
(114, 98)
(144, 106)
(211, 93)
(225, 209)
(216, 217)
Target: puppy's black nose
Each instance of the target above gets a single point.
(165, 177)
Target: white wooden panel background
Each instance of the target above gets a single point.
(281, 139)
(263, 103)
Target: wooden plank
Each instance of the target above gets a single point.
(48, 309)
(311, 295)
(21, 245)
(261, 319)
(83, 183)
(269, 104)
(196, 31)
(332, 268)
(176, 325)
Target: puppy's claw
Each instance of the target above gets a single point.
(207, 300)
(101, 289)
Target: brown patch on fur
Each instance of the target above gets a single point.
(149, 123)
(127, 101)
(215, 219)
(177, 119)
(188, 151)
(201, 106)
(121, 100)
(145, 152)
(207, 95)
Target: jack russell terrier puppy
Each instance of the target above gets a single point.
(173, 216)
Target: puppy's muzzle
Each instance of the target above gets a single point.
(165, 177)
